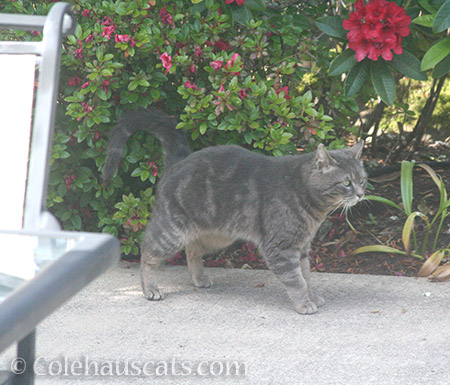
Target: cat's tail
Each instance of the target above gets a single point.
(174, 143)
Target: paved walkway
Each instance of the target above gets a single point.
(372, 330)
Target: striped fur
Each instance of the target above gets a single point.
(210, 198)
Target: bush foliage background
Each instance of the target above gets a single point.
(263, 96)
(254, 74)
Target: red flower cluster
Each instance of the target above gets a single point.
(376, 29)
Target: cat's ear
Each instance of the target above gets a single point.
(357, 149)
(324, 161)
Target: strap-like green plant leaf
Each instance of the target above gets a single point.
(381, 249)
(385, 201)
(408, 65)
(406, 185)
(356, 78)
(332, 26)
(435, 54)
(343, 62)
(383, 82)
(442, 18)
(408, 228)
(377, 248)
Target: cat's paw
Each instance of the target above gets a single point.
(204, 281)
(153, 294)
(307, 307)
(317, 299)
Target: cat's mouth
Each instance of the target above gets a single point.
(354, 201)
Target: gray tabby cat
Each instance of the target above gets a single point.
(210, 198)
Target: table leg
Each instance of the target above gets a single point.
(26, 351)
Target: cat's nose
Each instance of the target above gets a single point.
(360, 195)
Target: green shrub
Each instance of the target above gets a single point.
(249, 75)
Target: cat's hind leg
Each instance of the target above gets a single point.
(194, 253)
(195, 250)
(158, 245)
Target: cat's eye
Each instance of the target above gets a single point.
(346, 183)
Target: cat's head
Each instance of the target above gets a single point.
(338, 178)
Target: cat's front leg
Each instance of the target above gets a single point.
(287, 267)
(306, 271)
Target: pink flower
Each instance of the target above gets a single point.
(221, 89)
(188, 84)
(165, 16)
(74, 81)
(193, 68)
(108, 31)
(107, 21)
(68, 181)
(89, 38)
(285, 90)
(222, 45)
(125, 39)
(242, 94)
(238, 2)
(84, 85)
(217, 64)
(166, 61)
(79, 51)
(87, 108)
(154, 167)
(105, 85)
(86, 13)
(198, 52)
(230, 63)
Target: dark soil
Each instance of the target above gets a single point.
(373, 223)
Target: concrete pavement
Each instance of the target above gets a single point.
(372, 330)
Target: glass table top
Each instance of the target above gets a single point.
(23, 256)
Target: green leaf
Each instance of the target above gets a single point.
(356, 78)
(255, 5)
(342, 63)
(382, 81)
(408, 65)
(435, 54)
(442, 18)
(332, 26)
(406, 185)
(408, 228)
(203, 128)
(377, 248)
(242, 15)
(384, 200)
(442, 68)
(429, 5)
(424, 20)
(76, 221)
(381, 249)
